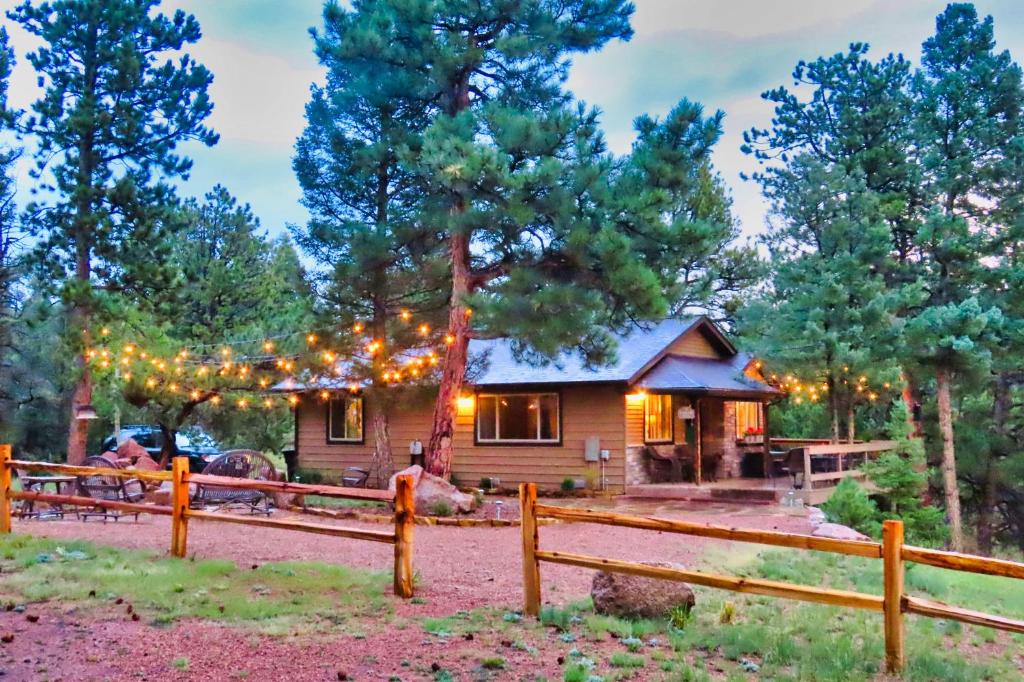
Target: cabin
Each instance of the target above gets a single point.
(681, 403)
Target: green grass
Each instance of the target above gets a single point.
(341, 503)
(281, 597)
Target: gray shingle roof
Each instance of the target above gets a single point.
(677, 372)
(636, 349)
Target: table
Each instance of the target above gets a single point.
(38, 484)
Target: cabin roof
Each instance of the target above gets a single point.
(705, 375)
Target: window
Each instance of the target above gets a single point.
(658, 426)
(748, 420)
(517, 418)
(345, 420)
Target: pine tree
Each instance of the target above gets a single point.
(10, 238)
(117, 100)
(967, 112)
(380, 265)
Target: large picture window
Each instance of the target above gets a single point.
(345, 419)
(517, 418)
(658, 418)
(748, 419)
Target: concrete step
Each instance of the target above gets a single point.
(693, 493)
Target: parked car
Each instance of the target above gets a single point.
(196, 444)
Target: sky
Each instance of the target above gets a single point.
(723, 54)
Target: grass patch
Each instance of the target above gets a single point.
(275, 598)
(342, 503)
(621, 660)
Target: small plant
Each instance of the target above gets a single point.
(575, 672)
(568, 484)
(621, 660)
(181, 663)
(727, 614)
(633, 643)
(493, 663)
(851, 506)
(313, 476)
(679, 616)
(555, 617)
(592, 478)
(441, 508)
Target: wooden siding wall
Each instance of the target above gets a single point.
(695, 343)
(585, 411)
(315, 452)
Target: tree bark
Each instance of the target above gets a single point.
(453, 373)
(851, 421)
(78, 429)
(950, 486)
(383, 457)
(833, 409)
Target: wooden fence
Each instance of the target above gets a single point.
(180, 511)
(893, 604)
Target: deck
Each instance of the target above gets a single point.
(737, 490)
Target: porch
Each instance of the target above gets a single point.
(809, 469)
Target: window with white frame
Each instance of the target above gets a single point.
(658, 418)
(517, 418)
(345, 419)
(749, 420)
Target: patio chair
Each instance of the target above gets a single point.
(354, 477)
(709, 462)
(104, 487)
(794, 466)
(663, 468)
(248, 464)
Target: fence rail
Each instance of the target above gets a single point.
(893, 604)
(180, 512)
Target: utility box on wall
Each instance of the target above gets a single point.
(592, 449)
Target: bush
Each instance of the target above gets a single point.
(313, 476)
(568, 484)
(485, 483)
(851, 506)
(441, 508)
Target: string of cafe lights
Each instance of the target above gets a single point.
(814, 390)
(186, 371)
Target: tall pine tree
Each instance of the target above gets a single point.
(118, 97)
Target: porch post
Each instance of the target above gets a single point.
(767, 446)
(700, 444)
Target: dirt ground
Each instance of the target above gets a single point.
(457, 569)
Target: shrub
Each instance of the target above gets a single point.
(679, 616)
(441, 508)
(313, 476)
(568, 484)
(727, 614)
(485, 483)
(851, 506)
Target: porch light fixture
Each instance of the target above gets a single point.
(465, 404)
(637, 395)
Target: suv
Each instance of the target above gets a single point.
(194, 443)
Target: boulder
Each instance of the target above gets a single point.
(160, 495)
(815, 516)
(430, 489)
(632, 596)
(838, 531)
(131, 451)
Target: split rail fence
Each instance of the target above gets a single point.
(181, 513)
(893, 604)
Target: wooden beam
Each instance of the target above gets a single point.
(179, 505)
(283, 524)
(699, 451)
(933, 609)
(871, 550)
(405, 511)
(963, 562)
(72, 470)
(851, 448)
(531, 567)
(297, 488)
(81, 501)
(5, 488)
(892, 578)
(767, 588)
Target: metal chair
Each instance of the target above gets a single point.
(663, 468)
(247, 464)
(107, 487)
(354, 477)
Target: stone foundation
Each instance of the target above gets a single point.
(731, 455)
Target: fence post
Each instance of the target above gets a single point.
(892, 567)
(405, 509)
(531, 567)
(5, 488)
(179, 506)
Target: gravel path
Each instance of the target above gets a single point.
(462, 568)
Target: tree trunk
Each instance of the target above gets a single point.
(949, 481)
(383, 458)
(833, 409)
(851, 421)
(78, 429)
(453, 373)
(908, 400)
(169, 447)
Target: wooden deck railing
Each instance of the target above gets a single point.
(893, 604)
(180, 511)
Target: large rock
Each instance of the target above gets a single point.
(131, 451)
(816, 516)
(632, 596)
(430, 489)
(838, 531)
